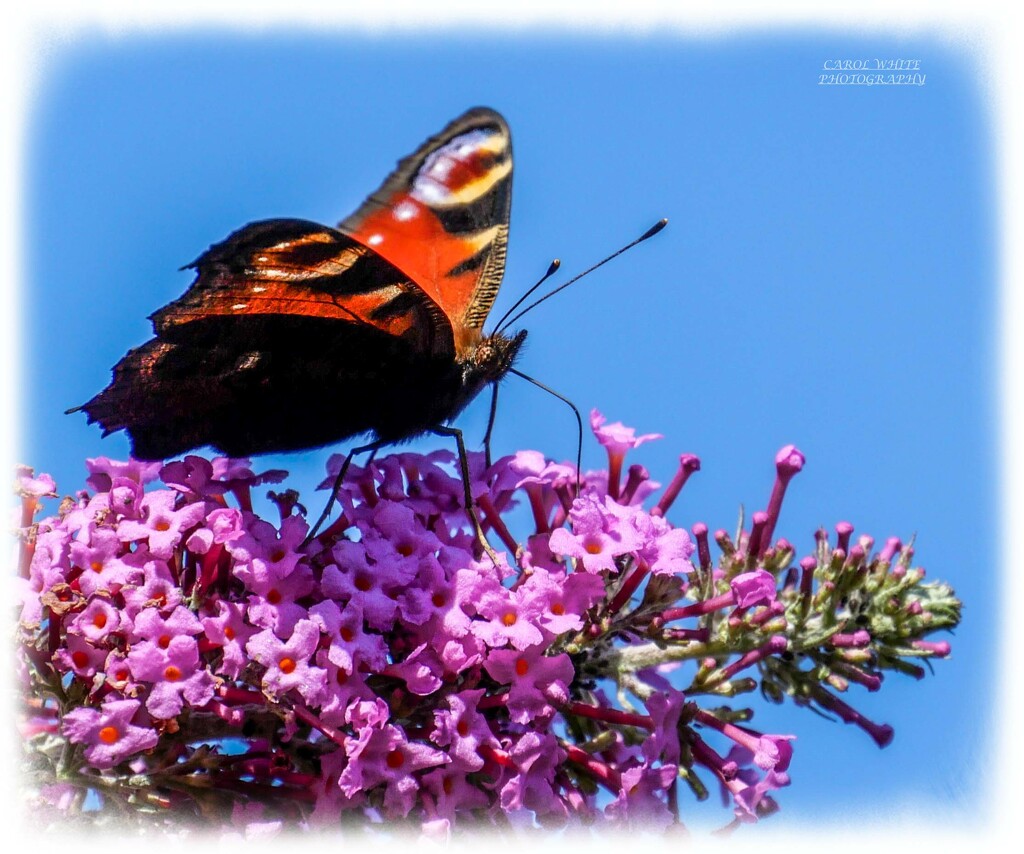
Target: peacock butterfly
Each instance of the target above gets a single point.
(296, 335)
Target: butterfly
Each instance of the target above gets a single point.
(296, 335)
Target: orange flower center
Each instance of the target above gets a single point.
(558, 609)
(347, 634)
(274, 597)
(277, 555)
(522, 668)
(286, 665)
(164, 641)
(592, 547)
(109, 735)
(437, 599)
(396, 759)
(172, 673)
(229, 633)
(79, 658)
(508, 618)
(96, 566)
(462, 728)
(99, 619)
(163, 525)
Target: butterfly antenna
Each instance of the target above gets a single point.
(551, 271)
(572, 406)
(654, 229)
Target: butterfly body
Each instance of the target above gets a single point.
(296, 335)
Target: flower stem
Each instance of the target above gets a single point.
(612, 716)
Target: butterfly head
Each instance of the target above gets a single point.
(492, 358)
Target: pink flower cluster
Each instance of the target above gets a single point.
(387, 668)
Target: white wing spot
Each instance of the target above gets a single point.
(375, 239)
(429, 191)
(405, 211)
(238, 306)
(258, 289)
(441, 168)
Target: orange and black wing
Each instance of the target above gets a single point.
(421, 259)
(289, 267)
(442, 219)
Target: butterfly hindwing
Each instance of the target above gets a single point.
(442, 218)
(257, 383)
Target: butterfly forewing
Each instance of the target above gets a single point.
(442, 218)
(290, 267)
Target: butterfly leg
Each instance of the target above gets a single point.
(373, 447)
(456, 434)
(490, 424)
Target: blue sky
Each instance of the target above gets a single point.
(827, 278)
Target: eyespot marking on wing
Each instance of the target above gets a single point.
(442, 219)
(464, 170)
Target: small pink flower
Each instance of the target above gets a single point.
(753, 588)
(287, 663)
(617, 438)
(109, 733)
